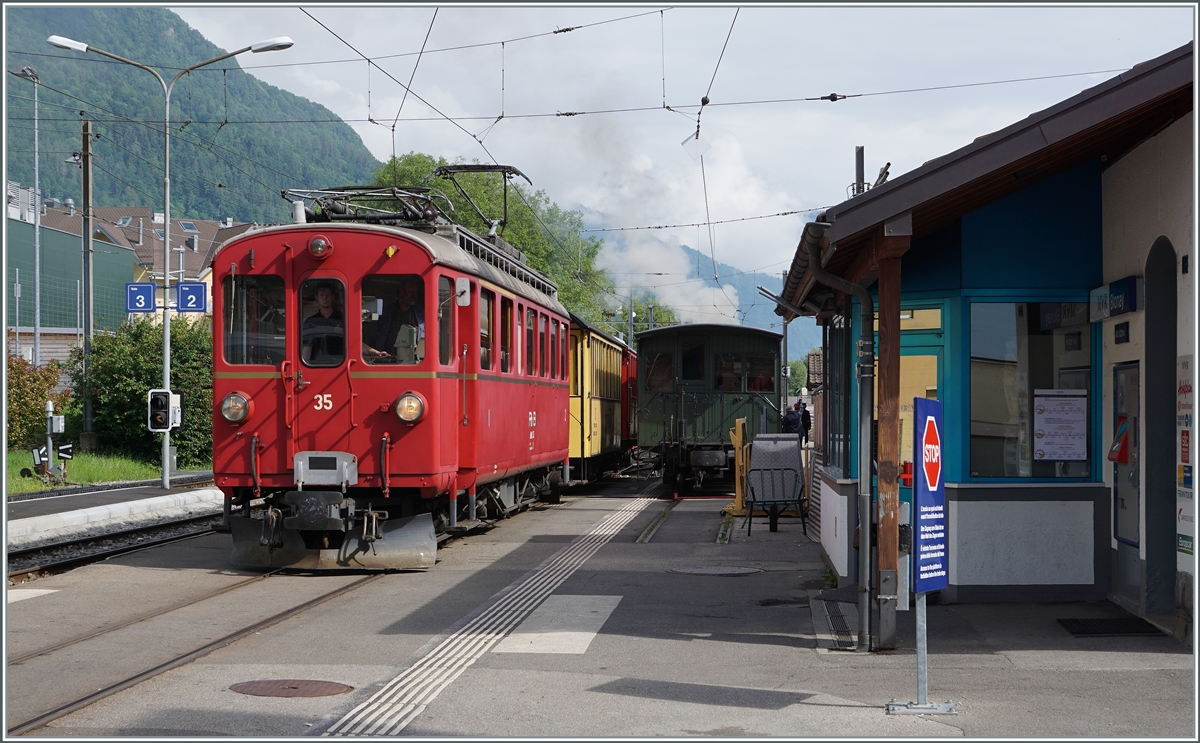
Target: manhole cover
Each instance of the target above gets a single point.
(716, 570)
(290, 688)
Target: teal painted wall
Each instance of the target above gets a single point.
(62, 267)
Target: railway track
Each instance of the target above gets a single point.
(61, 556)
(80, 702)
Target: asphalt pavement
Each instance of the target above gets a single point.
(568, 621)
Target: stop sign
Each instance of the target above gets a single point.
(931, 453)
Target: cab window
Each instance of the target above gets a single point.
(254, 311)
(323, 322)
(393, 319)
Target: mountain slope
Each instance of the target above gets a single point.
(236, 169)
(803, 332)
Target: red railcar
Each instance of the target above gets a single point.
(377, 384)
(629, 397)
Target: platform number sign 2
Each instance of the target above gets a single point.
(931, 570)
(193, 297)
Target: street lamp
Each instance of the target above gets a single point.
(31, 75)
(270, 45)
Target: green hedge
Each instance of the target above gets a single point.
(125, 366)
(29, 387)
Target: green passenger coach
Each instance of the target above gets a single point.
(696, 380)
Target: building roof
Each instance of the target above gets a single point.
(816, 369)
(134, 227)
(1105, 121)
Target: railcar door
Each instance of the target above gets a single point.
(321, 383)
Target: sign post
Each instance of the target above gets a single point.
(930, 553)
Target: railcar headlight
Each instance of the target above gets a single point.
(410, 407)
(320, 247)
(236, 407)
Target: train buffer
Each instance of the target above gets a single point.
(775, 479)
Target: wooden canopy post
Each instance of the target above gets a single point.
(889, 248)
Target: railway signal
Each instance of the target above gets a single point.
(163, 411)
(66, 451)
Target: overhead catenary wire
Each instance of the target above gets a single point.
(405, 97)
(370, 62)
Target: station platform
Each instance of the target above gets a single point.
(74, 513)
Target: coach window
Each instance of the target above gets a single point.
(487, 309)
(530, 320)
(574, 365)
(541, 345)
(445, 320)
(660, 372)
(393, 319)
(322, 322)
(727, 372)
(760, 372)
(565, 335)
(254, 313)
(693, 359)
(554, 349)
(506, 313)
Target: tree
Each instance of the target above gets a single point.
(127, 364)
(797, 376)
(551, 237)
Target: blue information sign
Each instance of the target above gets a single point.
(192, 297)
(931, 569)
(139, 297)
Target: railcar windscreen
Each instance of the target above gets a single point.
(323, 327)
(254, 322)
(393, 319)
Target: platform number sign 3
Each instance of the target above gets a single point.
(139, 297)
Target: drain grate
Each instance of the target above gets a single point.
(1109, 627)
(843, 637)
(290, 688)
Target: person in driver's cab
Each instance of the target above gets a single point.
(409, 310)
(316, 343)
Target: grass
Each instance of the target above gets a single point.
(84, 469)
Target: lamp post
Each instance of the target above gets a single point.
(31, 75)
(270, 45)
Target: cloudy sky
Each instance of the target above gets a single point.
(767, 152)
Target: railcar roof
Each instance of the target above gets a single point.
(576, 319)
(441, 250)
(706, 329)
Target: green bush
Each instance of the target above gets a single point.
(126, 365)
(29, 387)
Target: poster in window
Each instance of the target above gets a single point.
(1060, 425)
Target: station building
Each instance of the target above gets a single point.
(1042, 270)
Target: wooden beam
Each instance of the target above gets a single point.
(889, 433)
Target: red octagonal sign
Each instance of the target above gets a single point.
(931, 454)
